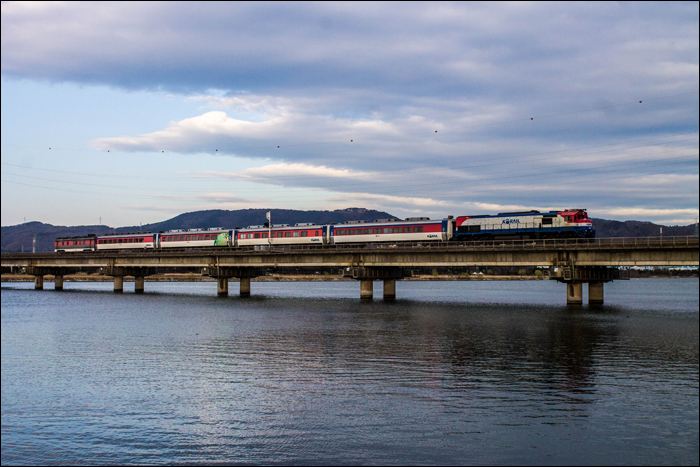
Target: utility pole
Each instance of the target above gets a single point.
(269, 229)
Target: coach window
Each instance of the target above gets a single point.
(317, 234)
(305, 233)
(387, 229)
(339, 232)
(288, 234)
(264, 235)
(368, 231)
(397, 229)
(418, 229)
(406, 230)
(188, 238)
(296, 234)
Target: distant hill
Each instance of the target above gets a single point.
(606, 228)
(15, 238)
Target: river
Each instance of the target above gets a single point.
(470, 372)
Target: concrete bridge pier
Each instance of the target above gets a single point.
(222, 286)
(367, 289)
(367, 276)
(574, 293)
(389, 289)
(594, 276)
(38, 282)
(139, 274)
(245, 286)
(58, 282)
(595, 293)
(244, 275)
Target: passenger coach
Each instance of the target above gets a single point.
(75, 244)
(126, 241)
(413, 229)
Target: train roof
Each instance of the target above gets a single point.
(211, 229)
(79, 237)
(125, 234)
(380, 222)
(263, 228)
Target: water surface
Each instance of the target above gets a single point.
(450, 373)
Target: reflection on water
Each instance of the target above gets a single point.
(307, 373)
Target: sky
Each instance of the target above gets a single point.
(129, 113)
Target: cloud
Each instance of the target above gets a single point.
(417, 49)
(646, 212)
(285, 171)
(465, 106)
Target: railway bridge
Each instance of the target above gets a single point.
(570, 261)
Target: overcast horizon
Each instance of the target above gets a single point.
(137, 112)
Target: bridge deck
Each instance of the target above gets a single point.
(646, 251)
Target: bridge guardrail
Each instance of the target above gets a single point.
(504, 245)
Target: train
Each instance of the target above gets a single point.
(570, 223)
